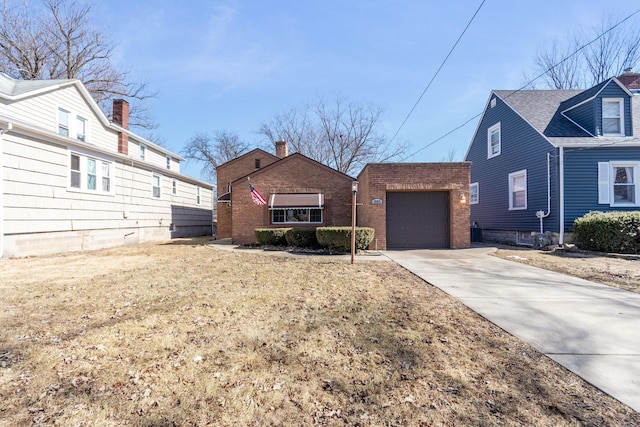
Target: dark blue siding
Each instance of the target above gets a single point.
(612, 90)
(522, 148)
(581, 179)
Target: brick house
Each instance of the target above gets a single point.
(410, 205)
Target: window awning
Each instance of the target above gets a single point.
(306, 200)
(226, 197)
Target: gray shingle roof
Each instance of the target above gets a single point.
(13, 87)
(541, 108)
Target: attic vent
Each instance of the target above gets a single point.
(493, 102)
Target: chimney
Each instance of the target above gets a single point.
(630, 79)
(121, 118)
(282, 149)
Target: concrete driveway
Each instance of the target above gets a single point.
(591, 329)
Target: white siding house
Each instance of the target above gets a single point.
(71, 180)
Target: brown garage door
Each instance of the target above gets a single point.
(418, 220)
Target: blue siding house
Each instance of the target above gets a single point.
(542, 158)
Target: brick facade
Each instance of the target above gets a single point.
(231, 171)
(299, 174)
(294, 174)
(378, 178)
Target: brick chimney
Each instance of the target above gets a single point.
(121, 118)
(282, 149)
(630, 79)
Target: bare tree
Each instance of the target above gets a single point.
(450, 156)
(58, 41)
(590, 57)
(338, 133)
(214, 150)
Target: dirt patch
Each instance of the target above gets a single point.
(187, 334)
(619, 271)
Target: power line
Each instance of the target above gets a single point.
(437, 72)
(523, 87)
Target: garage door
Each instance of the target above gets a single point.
(418, 220)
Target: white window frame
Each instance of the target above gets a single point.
(492, 129)
(61, 126)
(197, 194)
(512, 177)
(174, 187)
(83, 173)
(620, 116)
(606, 182)
(474, 193)
(168, 162)
(143, 151)
(159, 186)
(285, 221)
(82, 128)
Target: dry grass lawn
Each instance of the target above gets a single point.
(186, 334)
(619, 271)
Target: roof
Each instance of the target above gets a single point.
(14, 88)
(541, 108)
(291, 157)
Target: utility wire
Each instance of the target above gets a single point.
(437, 72)
(521, 88)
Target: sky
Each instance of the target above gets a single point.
(234, 64)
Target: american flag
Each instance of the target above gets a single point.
(257, 197)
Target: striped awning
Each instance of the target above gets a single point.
(304, 200)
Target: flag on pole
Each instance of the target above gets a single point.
(256, 196)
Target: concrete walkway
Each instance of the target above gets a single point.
(591, 329)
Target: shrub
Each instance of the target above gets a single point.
(302, 237)
(271, 236)
(608, 231)
(339, 238)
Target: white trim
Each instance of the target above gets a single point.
(635, 166)
(604, 173)
(3, 130)
(620, 102)
(83, 157)
(477, 198)
(497, 127)
(198, 195)
(153, 186)
(512, 176)
(297, 222)
(142, 151)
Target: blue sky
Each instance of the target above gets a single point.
(232, 65)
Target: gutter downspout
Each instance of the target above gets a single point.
(561, 201)
(7, 128)
(540, 214)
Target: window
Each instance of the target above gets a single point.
(617, 183)
(518, 190)
(257, 164)
(612, 118)
(493, 141)
(63, 122)
(106, 177)
(174, 187)
(493, 102)
(143, 151)
(197, 195)
(294, 215)
(156, 185)
(168, 162)
(474, 195)
(81, 128)
(75, 171)
(90, 174)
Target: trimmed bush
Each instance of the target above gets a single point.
(271, 236)
(608, 231)
(339, 238)
(302, 237)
